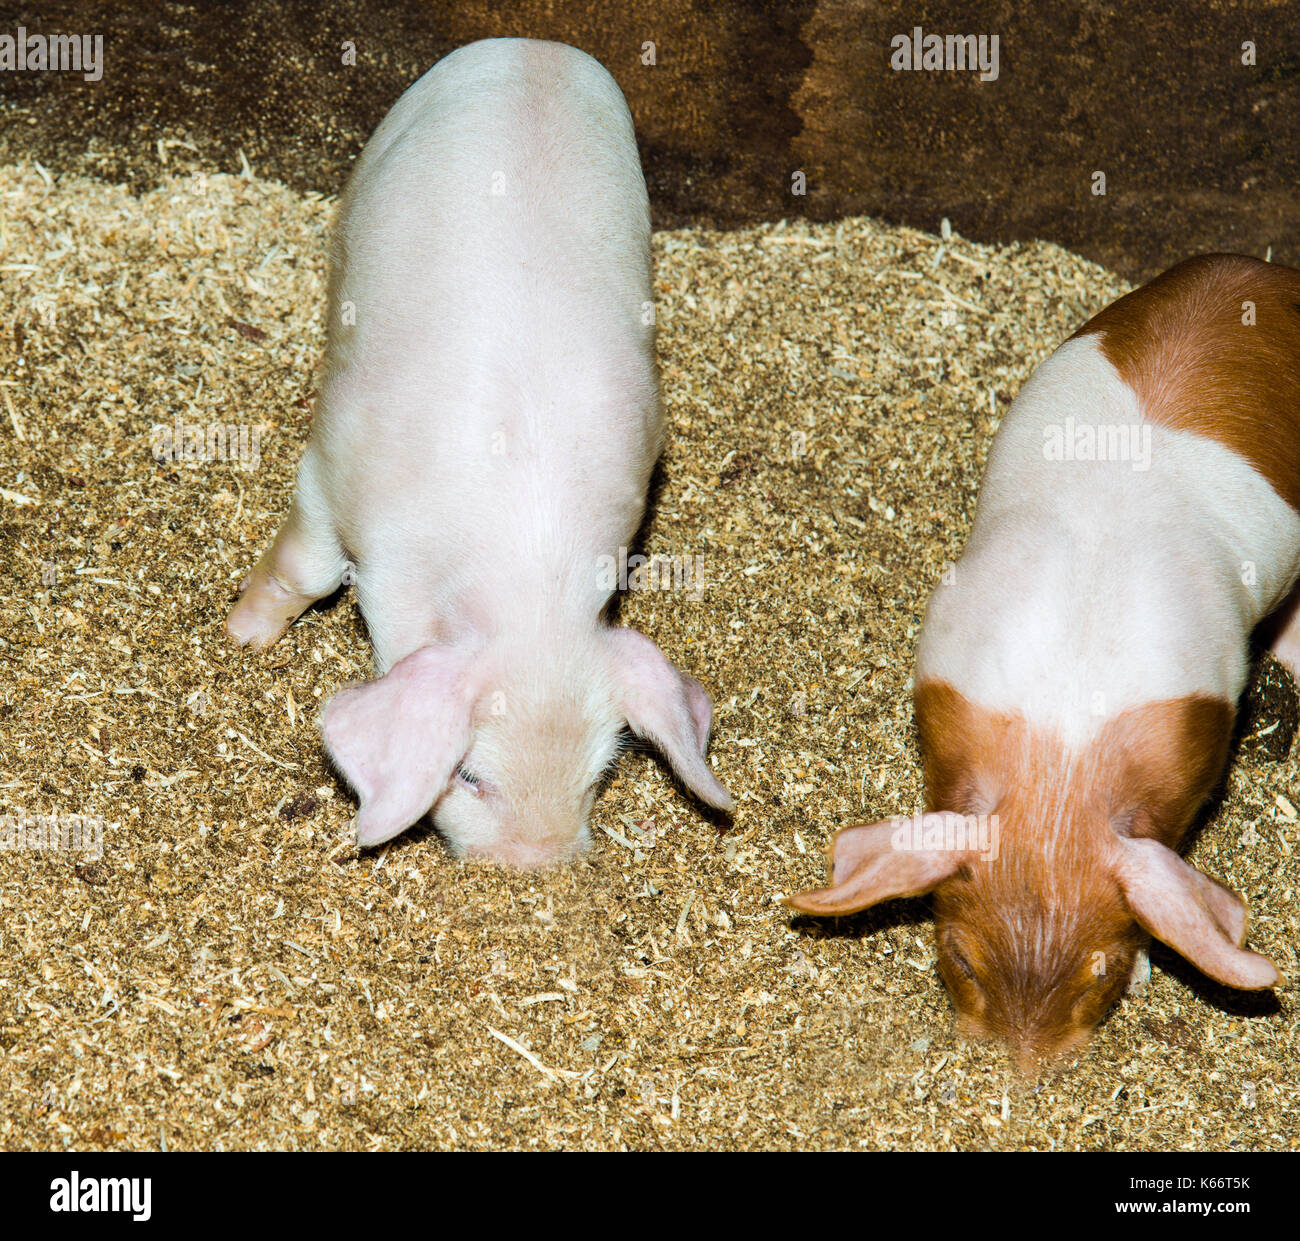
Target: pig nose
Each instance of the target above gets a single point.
(528, 854)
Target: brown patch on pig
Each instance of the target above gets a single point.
(1179, 342)
(1036, 944)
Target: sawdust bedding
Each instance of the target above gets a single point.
(229, 973)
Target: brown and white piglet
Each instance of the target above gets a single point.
(488, 422)
(1078, 670)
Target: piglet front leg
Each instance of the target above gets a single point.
(1141, 973)
(305, 563)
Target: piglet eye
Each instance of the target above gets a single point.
(961, 963)
(467, 777)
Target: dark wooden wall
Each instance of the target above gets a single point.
(1200, 151)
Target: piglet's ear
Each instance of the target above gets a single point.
(398, 739)
(1197, 917)
(667, 707)
(876, 862)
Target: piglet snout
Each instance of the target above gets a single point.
(524, 854)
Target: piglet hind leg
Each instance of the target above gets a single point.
(305, 563)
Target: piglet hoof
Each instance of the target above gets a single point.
(1141, 974)
(265, 609)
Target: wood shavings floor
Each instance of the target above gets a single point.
(230, 974)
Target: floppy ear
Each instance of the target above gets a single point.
(876, 862)
(398, 739)
(1197, 917)
(668, 707)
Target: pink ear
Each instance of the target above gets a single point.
(398, 739)
(876, 862)
(1194, 915)
(669, 708)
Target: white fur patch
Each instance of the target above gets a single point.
(1089, 586)
(490, 419)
